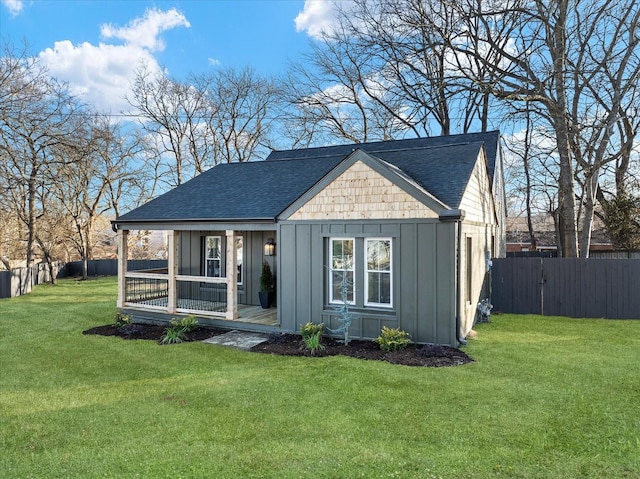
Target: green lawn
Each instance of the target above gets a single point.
(546, 398)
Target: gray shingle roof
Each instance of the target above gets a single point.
(262, 190)
(490, 139)
(235, 191)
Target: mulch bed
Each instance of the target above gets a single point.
(291, 345)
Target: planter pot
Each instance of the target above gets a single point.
(265, 299)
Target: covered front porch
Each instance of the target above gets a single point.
(218, 286)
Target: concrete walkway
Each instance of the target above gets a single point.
(238, 339)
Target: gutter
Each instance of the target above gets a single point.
(456, 216)
(115, 223)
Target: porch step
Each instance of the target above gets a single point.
(237, 339)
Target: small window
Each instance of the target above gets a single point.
(213, 257)
(378, 275)
(341, 274)
(239, 258)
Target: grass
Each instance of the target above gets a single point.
(546, 398)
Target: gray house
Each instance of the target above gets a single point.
(407, 226)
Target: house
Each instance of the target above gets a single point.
(403, 230)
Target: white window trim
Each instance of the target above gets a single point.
(366, 274)
(331, 270)
(240, 260)
(220, 258)
(206, 254)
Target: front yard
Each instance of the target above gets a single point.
(545, 398)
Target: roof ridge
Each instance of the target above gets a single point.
(390, 150)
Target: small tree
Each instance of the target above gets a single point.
(345, 317)
(266, 278)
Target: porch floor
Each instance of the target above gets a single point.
(256, 315)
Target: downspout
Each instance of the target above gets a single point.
(456, 216)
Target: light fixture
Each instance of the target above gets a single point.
(269, 247)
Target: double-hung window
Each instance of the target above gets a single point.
(342, 270)
(213, 257)
(374, 268)
(378, 276)
(213, 266)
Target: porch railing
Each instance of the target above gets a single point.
(194, 294)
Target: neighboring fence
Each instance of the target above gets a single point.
(578, 288)
(20, 281)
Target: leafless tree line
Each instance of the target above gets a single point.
(565, 73)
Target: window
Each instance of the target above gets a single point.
(239, 263)
(378, 272)
(367, 261)
(212, 257)
(342, 268)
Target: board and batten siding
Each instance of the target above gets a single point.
(423, 278)
(191, 250)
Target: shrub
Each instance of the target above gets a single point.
(172, 336)
(266, 278)
(177, 332)
(312, 337)
(121, 320)
(311, 329)
(392, 339)
(186, 324)
(313, 343)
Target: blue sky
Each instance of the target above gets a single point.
(95, 45)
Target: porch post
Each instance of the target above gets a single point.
(232, 276)
(123, 255)
(172, 248)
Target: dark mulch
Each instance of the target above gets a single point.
(149, 331)
(413, 355)
(291, 345)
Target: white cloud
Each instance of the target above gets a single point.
(214, 62)
(14, 6)
(144, 32)
(102, 74)
(317, 16)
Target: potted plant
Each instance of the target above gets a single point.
(266, 286)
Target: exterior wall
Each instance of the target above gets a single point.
(482, 237)
(481, 227)
(361, 193)
(500, 250)
(424, 279)
(477, 199)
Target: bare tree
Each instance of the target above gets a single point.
(169, 109)
(205, 120)
(240, 109)
(39, 117)
(385, 71)
(553, 55)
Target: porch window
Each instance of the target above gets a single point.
(213, 257)
(341, 274)
(378, 276)
(239, 262)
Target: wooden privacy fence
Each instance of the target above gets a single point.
(578, 288)
(20, 281)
